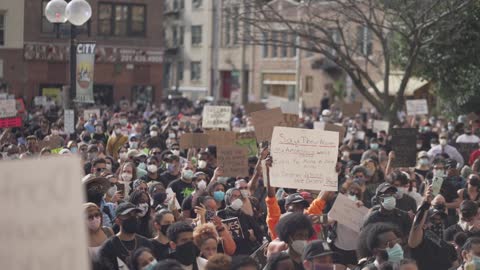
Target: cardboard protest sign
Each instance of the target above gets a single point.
(404, 143)
(466, 149)
(254, 107)
(304, 159)
(217, 117)
(275, 101)
(221, 138)
(53, 224)
(8, 108)
(291, 120)
(264, 121)
(193, 140)
(40, 100)
(351, 109)
(417, 107)
(88, 112)
(346, 212)
(235, 228)
(379, 125)
(331, 127)
(10, 122)
(69, 121)
(247, 140)
(233, 160)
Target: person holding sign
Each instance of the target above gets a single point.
(252, 234)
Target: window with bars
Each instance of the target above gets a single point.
(195, 70)
(364, 41)
(236, 14)
(265, 45)
(2, 30)
(121, 19)
(284, 48)
(274, 46)
(180, 70)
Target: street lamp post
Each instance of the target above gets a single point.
(77, 12)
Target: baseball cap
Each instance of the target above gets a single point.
(135, 153)
(434, 211)
(295, 198)
(384, 187)
(316, 248)
(92, 148)
(125, 208)
(422, 154)
(450, 164)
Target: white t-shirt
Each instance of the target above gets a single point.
(464, 138)
(201, 263)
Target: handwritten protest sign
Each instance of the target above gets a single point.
(89, 112)
(404, 144)
(53, 224)
(417, 107)
(304, 158)
(193, 140)
(217, 117)
(10, 122)
(264, 121)
(247, 140)
(346, 212)
(8, 108)
(69, 121)
(233, 160)
(172, 198)
(379, 125)
(234, 226)
(221, 138)
(331, 127)
(254, 107)
(40, 100)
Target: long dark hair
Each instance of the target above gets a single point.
(136, 254)
(145, 228)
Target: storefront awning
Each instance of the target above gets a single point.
(394, 81)
(190, 89)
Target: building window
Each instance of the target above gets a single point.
(142, 94)
(175, 4)
(196, 3)
(308, 84)
(265, 45)
(364, 40)
(180, 71)
(311, 47)
(196, 34)
(284, 51)
(2, 31)
(293, 48)
(121, 20)
(335, 36)
(174, 35)
(227, 30)
(181, 34)
(274, 46)
(236, 14)
(182, 4)
(195, 71)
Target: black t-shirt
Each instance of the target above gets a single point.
(422, 172)
(160, 251)
(166, 178)
(148, 179)
(244, 245)
(434, 253)
(407, 203)
(396, 217)
(114, 248)
(181, 189)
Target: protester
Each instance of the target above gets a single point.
(97, 233)
(184, 250)
(142, 259)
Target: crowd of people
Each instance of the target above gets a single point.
(152, 205)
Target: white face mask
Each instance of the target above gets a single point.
(202, 185)
(153, 133)
(144, 208)
(352, 197)
(123, 156)
(94, 224)
(389, 203)
(111, 191)
(55, 132)
(152, 168)
(202, 164)
(133, 145)
(171, 135)
(236, 204)
(127, 177)
(118, 131)
(443, 142)
(187, 174)
(299, 246)
(109, 167)
(176, 152)
(245, 193)
(438, 173)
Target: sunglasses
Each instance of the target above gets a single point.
(101, 169)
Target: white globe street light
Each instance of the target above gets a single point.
(78, 12)
(55, 11)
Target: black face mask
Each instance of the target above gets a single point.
(186, 254)
(164, 229)
(437, 229)
(130, 225)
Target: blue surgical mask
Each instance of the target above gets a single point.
(219, 195)
(74, 150)
(395, 254)
(142, 166)
(374, 146)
